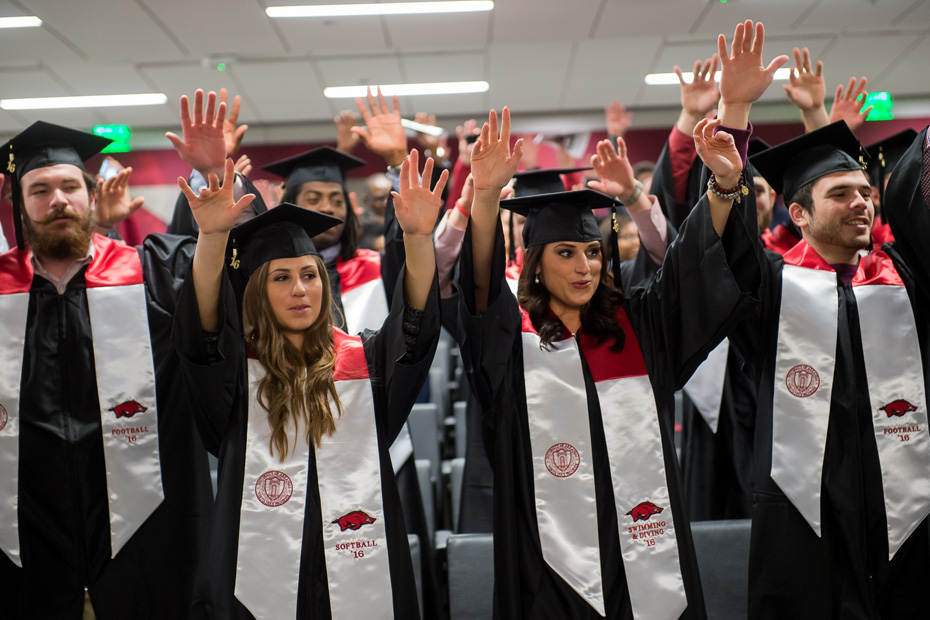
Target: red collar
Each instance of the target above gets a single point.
(875, 268)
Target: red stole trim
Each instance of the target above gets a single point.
(779, 239)
(603, 363)
(365, 267)
(114, 264)
(876, 268)
(350, 357)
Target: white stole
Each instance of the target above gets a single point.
(806, 359)
(564, 487)
(125, 375)
(271, 519)
(705, 387)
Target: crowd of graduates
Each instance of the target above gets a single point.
(288, 329)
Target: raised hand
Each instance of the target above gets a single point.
(415, 206)
(204, 145)
(270, 191)
(718, 152)
(244, 165)
(425, 140)
(614, 169)
(214, 209)
(470, 128)
(701, 95)
(805, 87)
(619, 120)
(114, 202)
(383, 133)
(849, 107)
(346, 139)
(743, 78)
(232, 135)
(493, 164)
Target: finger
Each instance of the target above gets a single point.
(362, 133)
(229, 174)
(223, 95)
(861, 89)
(485, 138)
(186, 190)
(681, 78)
(865, 113)
(696, 71)
(747, 36)
(776, 64)
(505, 127)
(363, 109)
(395, 101)
(798, 62)
(723, 135)
(243, 202)
(198, 106)
(234, 111)
(597, 186)
(704, 67)
(427, 176)
(807, 60)
(432, 120)
(240, 132)
(176, 142)
(819, 70)
(621, 148)
(492, 123)
(414, 167)
(838, 95)
(722, 50)
(136, 204)
(220, 115)
(460, 132)
(353, 200)
(210, 118)
(405, 175)
(714, 63)
(737, 45)
(382, 103)
(185, 113)
(441, 183)
(398, 202)
(372, 102)
(789, 93)
(759, 41)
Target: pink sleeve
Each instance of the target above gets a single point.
(447, 240)
(653, 230)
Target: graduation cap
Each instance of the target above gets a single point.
(885, 155)
(566, 216)
(285, 231)
(757, 145)
(533, 182)
(793, 164)
(324, 164)
(41, 145)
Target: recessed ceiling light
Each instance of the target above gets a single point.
(387, 8)
(671, 78)
(28, 21)
(404, 90)
(92, 101)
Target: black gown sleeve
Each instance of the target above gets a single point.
(398, 372)
(907, 210)
(707, 284)
(487, 341)
(212, 375)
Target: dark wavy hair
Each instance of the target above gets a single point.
(597, 316)
(349, 238)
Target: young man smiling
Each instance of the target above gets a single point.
(839, 347)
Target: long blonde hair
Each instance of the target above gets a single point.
(298, 383)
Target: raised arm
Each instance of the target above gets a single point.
(743, 77)
(216, 213)
(416, 209)
(806, 90)
(203, 146)
(699, 96)
(114, 202)
(382, 134)
(492, 166)
(850, 106)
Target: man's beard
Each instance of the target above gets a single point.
(59, 245)
(832, 232)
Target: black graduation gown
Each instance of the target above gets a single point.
(476, 504)
(845, 573)
(705, 285)
(63, 507)
(663, 187)
(220, 392)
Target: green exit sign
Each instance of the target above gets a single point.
(882, 105)
(120, 134)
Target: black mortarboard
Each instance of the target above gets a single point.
(285, 231)
(534, 182)
(885, 155)
(41, 145)
(793, 164)
(324, 164)
(757, 145)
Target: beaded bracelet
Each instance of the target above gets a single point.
(736, 193)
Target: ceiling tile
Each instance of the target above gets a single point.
(598, 78)
(541, 20)
(537, 85)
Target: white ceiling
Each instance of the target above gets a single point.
(544, 58)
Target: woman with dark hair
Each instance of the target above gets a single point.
(300, 414)
(577, 380)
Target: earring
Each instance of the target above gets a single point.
(536, 279)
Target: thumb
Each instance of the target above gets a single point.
(136, 204)
(362, 133)
(176, 142)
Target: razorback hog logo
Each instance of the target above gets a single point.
(128, 409)
(643, 511)
(354, 520)
(898, 407)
